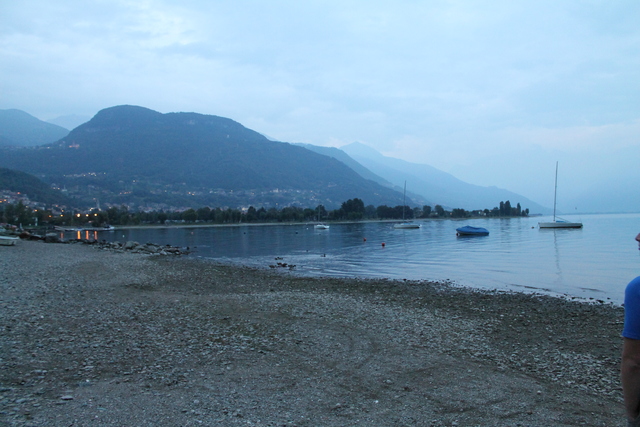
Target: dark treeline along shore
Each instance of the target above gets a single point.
(351, 210)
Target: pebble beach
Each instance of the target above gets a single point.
(103, 337)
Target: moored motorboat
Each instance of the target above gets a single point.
(468, 230)
(321, 227)
(103, 228)
(71, 229)
(407, 225)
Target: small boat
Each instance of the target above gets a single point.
(8, 240)
(321, 227)
(103, 228)
(405, 224)
(558, 223)
(468, 230)
(72, 229)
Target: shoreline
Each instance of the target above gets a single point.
(204, 225)
(132, 339)
(306, 223)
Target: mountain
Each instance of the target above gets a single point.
(70, 121)
(140, 157)
(34, 188)
(338, 154)
(435, 185)
(21, 129)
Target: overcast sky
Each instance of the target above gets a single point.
(494, 92)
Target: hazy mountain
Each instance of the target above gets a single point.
(70, 121)
(21, 129)
(338, 154)
(138, 156)
(34, 188)
(434, 185)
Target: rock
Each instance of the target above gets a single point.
(52, 238)
(130, 245)
(135, 247)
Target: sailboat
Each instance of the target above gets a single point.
(559, 222)
(405, 224)
(321, 225)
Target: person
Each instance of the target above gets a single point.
(630, 366)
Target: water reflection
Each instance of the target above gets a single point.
(90, 235)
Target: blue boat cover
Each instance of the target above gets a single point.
(467, 229)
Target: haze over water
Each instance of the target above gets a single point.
(596, 261)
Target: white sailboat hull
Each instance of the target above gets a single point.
(560, 224)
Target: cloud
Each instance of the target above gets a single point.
(587, 138)
(453, 84)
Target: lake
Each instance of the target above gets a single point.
(596, 261)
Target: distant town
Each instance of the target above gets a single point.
(18, 209)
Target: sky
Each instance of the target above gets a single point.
(494, 92)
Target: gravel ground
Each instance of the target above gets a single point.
(97, 337)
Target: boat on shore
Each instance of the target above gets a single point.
(468, 230)
(559, 222)
(8, 240)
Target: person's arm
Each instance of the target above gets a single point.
(630, 375)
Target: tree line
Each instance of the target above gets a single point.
(351, 210)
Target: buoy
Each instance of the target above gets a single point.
(383, 244)
(365, 239)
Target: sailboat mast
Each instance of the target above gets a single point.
(404, 197)
(555, 194)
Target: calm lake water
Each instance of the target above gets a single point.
(596, 261)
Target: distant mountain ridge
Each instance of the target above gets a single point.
(21, 129)
(137, 156)
(435, 185)
(339, 154)
(134, 155)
